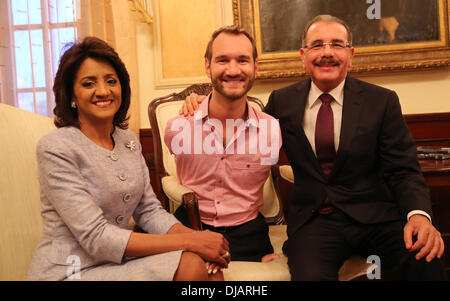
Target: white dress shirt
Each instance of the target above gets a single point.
(310, 116)
(312, 108)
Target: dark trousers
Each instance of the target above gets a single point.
(320, 247)
(248, 242)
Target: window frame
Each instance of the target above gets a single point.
(8, 74)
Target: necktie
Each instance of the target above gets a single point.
(324, 139)
(324, 136)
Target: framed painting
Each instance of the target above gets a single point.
(388, 35)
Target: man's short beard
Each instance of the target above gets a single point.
(219, 88)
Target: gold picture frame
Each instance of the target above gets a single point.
(369, 59)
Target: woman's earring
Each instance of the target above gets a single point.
(73, 105)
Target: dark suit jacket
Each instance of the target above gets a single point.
(376, 176)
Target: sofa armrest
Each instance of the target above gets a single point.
(181, 195)
(174, 190)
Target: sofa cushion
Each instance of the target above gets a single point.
(275, 270)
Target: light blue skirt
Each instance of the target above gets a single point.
(159, 267)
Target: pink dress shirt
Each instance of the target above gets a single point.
(228, 181)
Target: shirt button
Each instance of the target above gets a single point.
(127, 198)
(114, 156)
(122, 176)
(119, 219)
(219, 181)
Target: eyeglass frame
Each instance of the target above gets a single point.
(323, 44)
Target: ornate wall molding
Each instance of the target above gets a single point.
(144, 7)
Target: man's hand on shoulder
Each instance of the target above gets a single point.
(190, 104)
(429, 241)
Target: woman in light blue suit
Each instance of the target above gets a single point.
(93, 179)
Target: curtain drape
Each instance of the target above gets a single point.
(114, 22)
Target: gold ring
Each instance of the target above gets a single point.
(226, 255)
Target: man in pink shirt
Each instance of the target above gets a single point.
(224, 152)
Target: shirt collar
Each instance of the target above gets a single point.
(202, 112)
(315, 92)
(252, 118)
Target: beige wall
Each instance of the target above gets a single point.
(419, 92)
(178, 41)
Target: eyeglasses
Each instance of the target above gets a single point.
(336, 45)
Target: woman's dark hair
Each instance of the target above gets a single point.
(70, 62)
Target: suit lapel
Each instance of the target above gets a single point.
(351, 110)
(297, 119)
(300, 100)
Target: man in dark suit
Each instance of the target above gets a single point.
(358, 185)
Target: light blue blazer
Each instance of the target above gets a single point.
(88, 196)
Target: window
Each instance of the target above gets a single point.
(33, 34)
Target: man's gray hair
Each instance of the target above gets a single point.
(327, 18)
